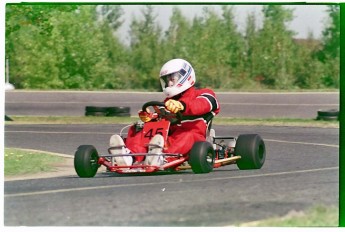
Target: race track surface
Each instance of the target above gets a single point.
(301, 171)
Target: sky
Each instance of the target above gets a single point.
(307, 18)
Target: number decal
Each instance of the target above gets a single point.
(151, 133)
(152, 128)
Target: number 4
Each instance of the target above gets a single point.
(150, 133)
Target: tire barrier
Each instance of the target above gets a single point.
(8, 118)
(328, 115)
(112, 111)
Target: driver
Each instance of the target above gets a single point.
(197, 106)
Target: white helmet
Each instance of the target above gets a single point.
(184, 73)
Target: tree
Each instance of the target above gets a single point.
(208, 47)
(330, 54)
(331, 33)
(22, 16)
(276, 47)
(216, 47)
(109, 19)
(307, 68)
(234, 52)
(252, 48)
(145, 49)
(76, 46)
(177, 40)
(111, 15)
(26, 14)
(72, 55)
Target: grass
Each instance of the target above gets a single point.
(129, 120)
(317, 216)
(276, 122)
(21, 161)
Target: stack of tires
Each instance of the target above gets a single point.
(328, 115)
(112, 111)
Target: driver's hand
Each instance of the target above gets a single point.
(145, 116)
(174, 106)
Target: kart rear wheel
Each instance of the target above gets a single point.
(86, 161)
(201, 157)
(252, 150)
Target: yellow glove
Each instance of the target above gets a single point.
(145, 116)
(174, 106)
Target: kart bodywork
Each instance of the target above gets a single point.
(247, 150)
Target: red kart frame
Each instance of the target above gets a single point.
(248, 153)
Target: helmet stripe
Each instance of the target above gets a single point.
(186, 75)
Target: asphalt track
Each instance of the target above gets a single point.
(301, 171)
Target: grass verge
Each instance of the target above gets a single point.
(129, 120)
(21, 161)
(317, 216)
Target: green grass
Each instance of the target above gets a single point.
(129, 120)
(317, 216)
(276, 122)
(21, 161)
(69, 120)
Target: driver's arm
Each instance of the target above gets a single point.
(202, 104)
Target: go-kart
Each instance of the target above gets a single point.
(247, 150)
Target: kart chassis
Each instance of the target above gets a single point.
(247, 151)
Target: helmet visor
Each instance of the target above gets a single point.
(170, 79)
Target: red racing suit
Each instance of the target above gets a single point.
(200, 106)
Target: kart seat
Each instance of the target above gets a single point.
(210, 133)
(208, 117)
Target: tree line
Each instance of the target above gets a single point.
(55, 46)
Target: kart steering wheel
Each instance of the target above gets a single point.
(162, 114)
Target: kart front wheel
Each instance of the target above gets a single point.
(86, 161)
(201, 157)
(252, 150)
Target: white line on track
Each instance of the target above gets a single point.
(61, 132)
(102, 133)
(302, 143)
(167, 182)
(69, 102)
(222, 103)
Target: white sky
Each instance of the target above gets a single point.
(307, 17)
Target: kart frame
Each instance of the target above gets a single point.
(248, 151)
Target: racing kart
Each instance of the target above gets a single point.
(247, 151)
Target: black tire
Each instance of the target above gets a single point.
(96, 109)
(201, 157)
(86, 161)
(118, 110)
(8, 118)
(252, 150)
(328, 113)
(121, 111)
